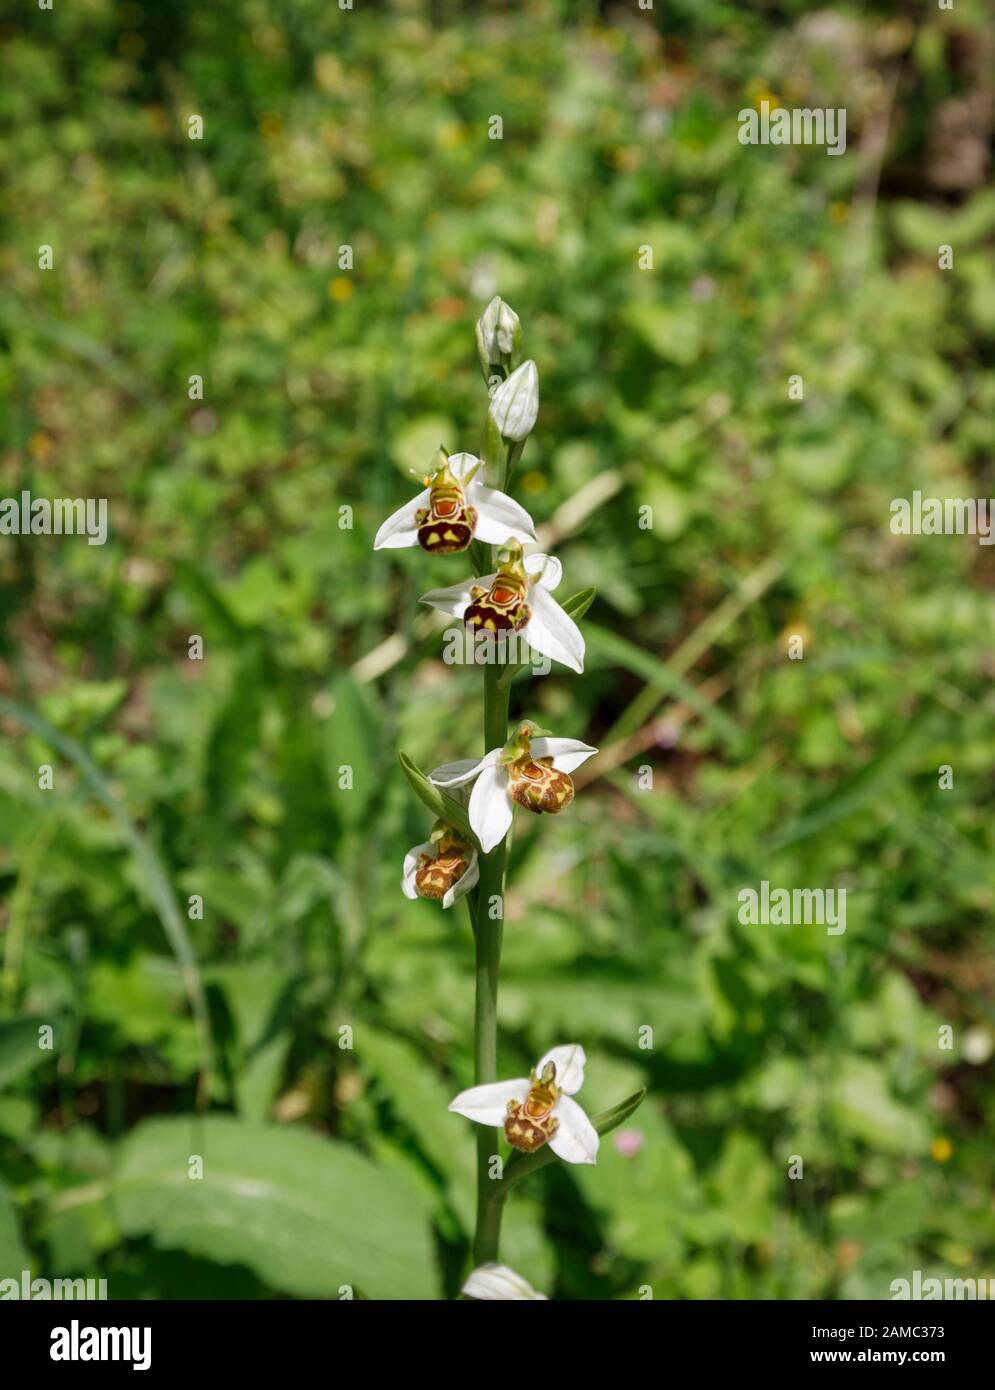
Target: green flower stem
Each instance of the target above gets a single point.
(488, 940)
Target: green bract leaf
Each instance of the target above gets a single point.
(578, 604)
(442, 806)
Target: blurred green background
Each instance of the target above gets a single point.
(326, 1164)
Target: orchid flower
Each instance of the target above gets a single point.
(448, 874)
(491, 1282)
(538, 1109)
(453, 510)
(517, 598)
(531, 770)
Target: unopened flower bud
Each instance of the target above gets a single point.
(499, 336)
(515, 403)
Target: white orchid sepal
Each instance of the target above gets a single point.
(532, 770)
(517, 598)
(538, 1109)
(453, 510)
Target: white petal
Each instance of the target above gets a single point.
(490, 806)
(552, 631)
(569, 1060)
(499, 517)
(546, 569)
(400, 529)
(493, 1281)
(462, 770)
(515, 403)
(462, 464)
(488, 1105)
(576, 1140)
(463, 885)
(567, 753)
(410, 865)
(455, 598)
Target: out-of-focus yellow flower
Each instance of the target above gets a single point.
(450, 135)
(941, 1148)
(270, 124)
(839, 213)
(328, 71)
(40, 446)
(625, 158)
(156, 120)
(340, 289)
(533, 481)
(758, 91)
(848, 1252)
(791, 632)
(486, 180)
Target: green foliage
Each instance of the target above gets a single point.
(703, 519)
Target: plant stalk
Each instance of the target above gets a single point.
(488, 944)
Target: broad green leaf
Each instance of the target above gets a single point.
(867, 1109)
(352, 741)
(19, 1050)
(154, 876)
(307, 1214)
(416, 1094)
(13, 1256)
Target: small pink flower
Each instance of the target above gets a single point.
(629, 1141)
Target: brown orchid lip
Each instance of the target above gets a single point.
(538, 786)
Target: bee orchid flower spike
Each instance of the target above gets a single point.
(453, 510)
(466, 854)
(532, 770)
(538, 1109)
(517, 598)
